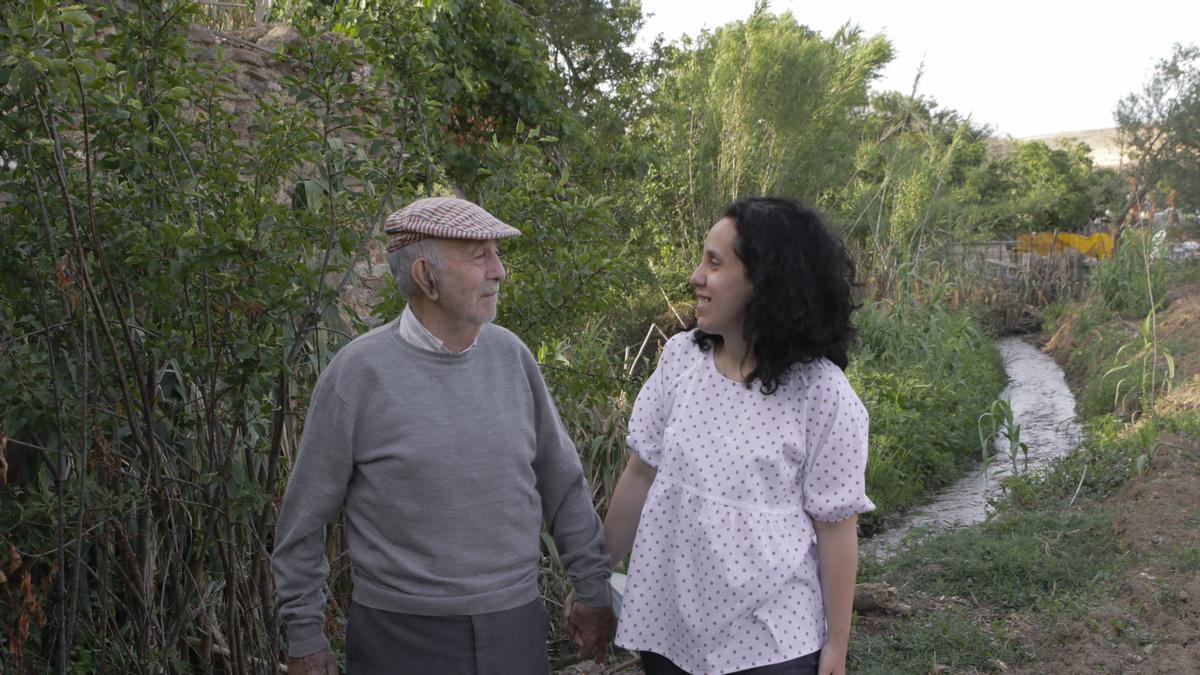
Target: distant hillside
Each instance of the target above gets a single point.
(1103, 142)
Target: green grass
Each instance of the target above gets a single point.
(1110, 454)
(1020, 560)
(1051, 562)
(950, 637)
(1108, 357)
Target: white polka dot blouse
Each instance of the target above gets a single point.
(723, 575)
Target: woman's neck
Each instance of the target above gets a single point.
(733, 358)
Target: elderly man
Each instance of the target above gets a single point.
(437, 435)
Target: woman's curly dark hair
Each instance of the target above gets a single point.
(802, 288)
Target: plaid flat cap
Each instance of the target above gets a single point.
(443, 217)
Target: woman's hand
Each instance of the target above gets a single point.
(833, 659)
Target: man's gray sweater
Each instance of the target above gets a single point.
(447, 466)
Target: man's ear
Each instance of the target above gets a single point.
(425, 279)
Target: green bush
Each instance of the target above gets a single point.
(1133, 281)
(925, 375)
(179, 287)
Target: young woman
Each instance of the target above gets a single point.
(749, 450)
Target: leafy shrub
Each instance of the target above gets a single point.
(176, 312)
(924, 375)
(179, 294)
(1133, 281)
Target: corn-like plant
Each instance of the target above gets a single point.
(1139, 377)
(1001, 425)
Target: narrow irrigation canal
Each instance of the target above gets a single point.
(1042, 405)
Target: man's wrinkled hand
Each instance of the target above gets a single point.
(592, 628)
(317, 663)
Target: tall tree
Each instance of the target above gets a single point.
(589, 43)
(761, 106)
(1160, 128)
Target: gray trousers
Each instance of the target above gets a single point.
(511, 642)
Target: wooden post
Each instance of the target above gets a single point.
(260, 10)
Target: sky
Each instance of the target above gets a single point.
(1024, 68)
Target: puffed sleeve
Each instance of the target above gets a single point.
(836, 463)
(652, 408)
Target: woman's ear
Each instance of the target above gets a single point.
(425, 279)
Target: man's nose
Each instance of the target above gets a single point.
(697, 278)
(497, 271)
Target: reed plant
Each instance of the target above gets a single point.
(1133, 282)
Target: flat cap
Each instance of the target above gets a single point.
(443, 217)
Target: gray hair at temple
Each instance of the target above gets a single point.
(401, 261)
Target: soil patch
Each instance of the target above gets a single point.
(1179, 326)
(1152, 624)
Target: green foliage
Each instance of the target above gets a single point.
(590, 45)
(1111, 453)
(169, 319)
(1121, 366)
(999, 424)
(761, 106)
(1021, 560)
(908, 162)
(573, 263)
(1145, 370)
(951, 638)
(923, 174)
(1133, 281)
(1160, 127)
(925, 376)
(1033, 187)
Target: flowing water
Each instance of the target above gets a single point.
(1042, 405)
